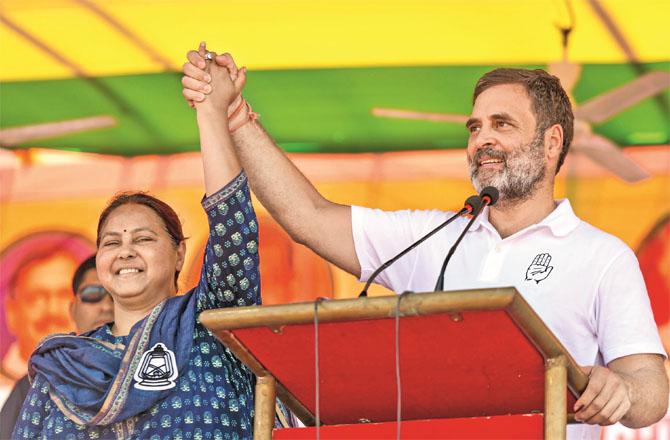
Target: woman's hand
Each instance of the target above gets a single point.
(212, 85)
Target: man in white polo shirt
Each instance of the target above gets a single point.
(584, 283)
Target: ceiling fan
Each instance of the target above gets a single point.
(595, 110)
(10, 137)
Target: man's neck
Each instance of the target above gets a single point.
(511, 217)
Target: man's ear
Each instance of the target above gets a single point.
(553, 142)
(181, 255)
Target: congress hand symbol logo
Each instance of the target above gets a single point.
(539, 269)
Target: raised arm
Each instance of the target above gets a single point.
(230, 274)
(309, 218)
(220, 164)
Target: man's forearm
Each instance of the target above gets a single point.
(323, 226)
(276, 181)
(649, 397)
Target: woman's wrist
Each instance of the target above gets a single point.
(209, 117)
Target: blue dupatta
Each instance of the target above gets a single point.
(91, 381)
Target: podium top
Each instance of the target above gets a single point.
(462, 354)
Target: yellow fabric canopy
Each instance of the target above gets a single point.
(45, 39)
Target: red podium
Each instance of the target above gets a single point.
(471, 362)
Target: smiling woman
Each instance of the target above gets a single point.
(140, 253)
(156, 372)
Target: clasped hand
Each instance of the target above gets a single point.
(220, 81)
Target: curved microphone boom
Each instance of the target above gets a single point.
(489, 197)
(472, 204)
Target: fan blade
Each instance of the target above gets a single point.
(422, 116)
(610, 103)
(606, 154)
(10, 137)
(568, 73)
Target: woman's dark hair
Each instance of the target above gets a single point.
(84, 267)
(163, 210)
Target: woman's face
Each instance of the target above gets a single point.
(136, 259)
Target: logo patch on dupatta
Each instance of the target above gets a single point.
(157, 369)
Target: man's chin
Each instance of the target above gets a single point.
(481, 182)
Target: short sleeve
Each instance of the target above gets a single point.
(624, 319)
(230, 274)
(380, 235)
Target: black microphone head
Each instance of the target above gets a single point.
(489, 195)
(473, 203)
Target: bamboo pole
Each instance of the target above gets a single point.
(264, 407)
(356, 309)
(555, 398)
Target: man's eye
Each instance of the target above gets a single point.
(473, 129)
(503, 124)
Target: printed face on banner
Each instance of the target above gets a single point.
(36, 292)
(39, 298)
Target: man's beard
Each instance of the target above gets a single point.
(522, 171)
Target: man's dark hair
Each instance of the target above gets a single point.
(84, 267)
(549, 101)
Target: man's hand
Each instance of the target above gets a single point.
(606, 399)
(197, 80)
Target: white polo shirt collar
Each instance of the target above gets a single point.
(561, 221)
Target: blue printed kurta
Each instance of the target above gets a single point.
(213, 396)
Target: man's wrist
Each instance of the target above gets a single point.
(239, 115)
(235, 107)
(628, 382)
(243, 116)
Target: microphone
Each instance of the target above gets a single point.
(472, 204)
(489, 197)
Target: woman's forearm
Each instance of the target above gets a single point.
(219, 161)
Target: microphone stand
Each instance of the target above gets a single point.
(489, 196)
(472, 204)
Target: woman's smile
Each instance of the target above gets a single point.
(136, 257)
